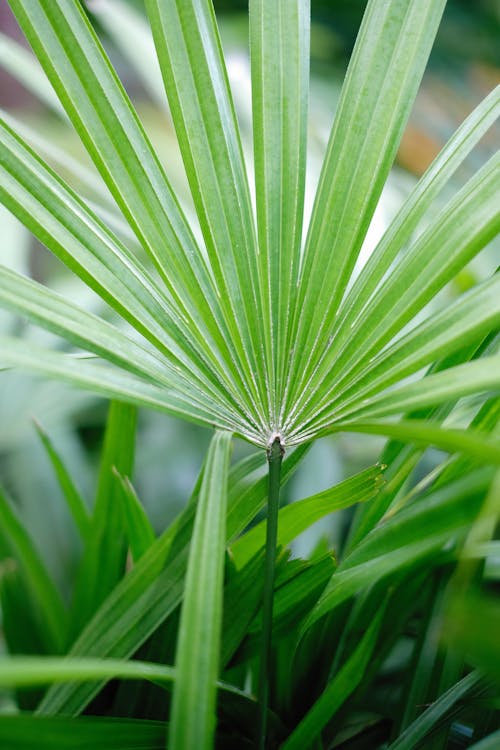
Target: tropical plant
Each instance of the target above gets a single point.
(262, 336)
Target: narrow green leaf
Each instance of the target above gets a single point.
(461, 323)
(24, 732)
(198, 644)
(414, 209)
(103, 563)
(154, 587)
(19, 671)
(107, 381)
(442, 709)
(48, 602)
(338, 690)
(140, 533)
(96, 103)
(279, 51)
(74, 500)
(298, 516)
(195, 78)
(479, 376)
(423, 433)
(458, 233)
(58, 217)
(384, 73)
(417, 532)
(83, 329)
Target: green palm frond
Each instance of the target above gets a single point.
(250, 329)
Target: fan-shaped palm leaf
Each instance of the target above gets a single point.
(250, 332)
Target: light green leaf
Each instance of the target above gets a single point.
(107, 381)
(103, 561)
(140, 533)
(279, 47)
(384, 73)
(298, 516)
(198, 644)
(154, 586)
(74, 500)
(82, 329)
(61, 220)
(414, 209)
(462, 322)
(18, 671)
(479, 376)
(460, 231)
(417, 532)
(195, 78)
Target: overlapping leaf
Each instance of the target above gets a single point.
(250, 332)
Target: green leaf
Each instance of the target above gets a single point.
(462, 322)
(279, 47)
(25, 732)
(47, 600)
(140, 533)
(338, 690)
(414, 210)
(298, 516)
(19, 671)
(198, 644)
(384, 73)
(103, 562)
(154, 587)
(74, 500)
(82, 329)
(419, 432)
(456, 235)
(479, 376)
(60, 220)
(441, 711)
(195, 78)
(417, 532)
(106, 381)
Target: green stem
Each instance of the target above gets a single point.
(274, 457)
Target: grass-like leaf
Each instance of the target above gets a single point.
(48, 602)
(295, 518)
(338, 690)
(415, 533)
(198, 646)
(76, 504)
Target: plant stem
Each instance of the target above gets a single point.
(274, 457)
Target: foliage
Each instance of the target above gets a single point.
(277, 341)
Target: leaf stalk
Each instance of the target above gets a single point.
(275, 453)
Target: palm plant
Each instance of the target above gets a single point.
(251, 330)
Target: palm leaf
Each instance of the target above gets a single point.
(249, 332)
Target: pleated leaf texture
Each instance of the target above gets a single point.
(254, 324)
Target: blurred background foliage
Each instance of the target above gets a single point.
(464, 67)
